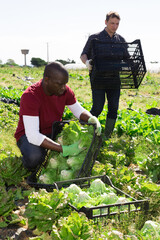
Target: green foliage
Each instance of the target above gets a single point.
(8, 116)
(130, 158)
(135, 123)
(73, 189)
(151, 229)
(65, 168)
(11, 168)
(64, 62)
(11, 62)
(97, 195)
(97, 186)
(75, 226)
(6, 200)
(44, 209)
(151, 166)
(11, 93)
(38, 62)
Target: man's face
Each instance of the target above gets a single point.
(56, 84)
(112, 25)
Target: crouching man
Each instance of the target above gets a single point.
(41, 104)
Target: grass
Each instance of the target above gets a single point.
(143, 98)
(147, 94)
(124, 147)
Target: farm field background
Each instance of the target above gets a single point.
(131, 158)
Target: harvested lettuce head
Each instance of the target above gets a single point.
(44, 178)
(116, 235)
(71, 133)
(47, 177)
(82, 197)
(73, 188)
(98, 186)
(66, 175)
(151, 228)
(109, 198)
(53, 163)
(75, 162)
(122, 200)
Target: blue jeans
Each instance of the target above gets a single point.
(98, 97)
(33, 155)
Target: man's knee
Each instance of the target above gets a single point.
(96, 111)
(112, 111)
(32, 155)
(112, 114)
(32, 160)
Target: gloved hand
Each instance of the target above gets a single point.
(72, 150)
(94, 120)
(88, 64)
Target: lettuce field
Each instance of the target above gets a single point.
(130, 159)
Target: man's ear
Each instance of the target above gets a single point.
(45, 79)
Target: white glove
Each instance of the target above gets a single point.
(94, 120)
(88, 64)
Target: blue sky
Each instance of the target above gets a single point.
(65, 26)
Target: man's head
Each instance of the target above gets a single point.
(112, 22)
(54, 79)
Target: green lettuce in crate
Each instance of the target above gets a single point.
(61, 168)
(74, 189)
(98, 194)
(109, 198)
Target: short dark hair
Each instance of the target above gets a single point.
(54, 68)
(112, 15)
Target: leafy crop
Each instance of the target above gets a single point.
(8, 116)
(151, 229)
(130, 158)
(44, 209)
(11, 168)
(11, 93)
(64, 168)
(135, 123)
(75, 226)
(97, 194)
(6, 200)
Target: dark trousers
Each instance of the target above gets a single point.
(33, 155)
(98, 97)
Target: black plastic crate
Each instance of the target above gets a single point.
(87, 164)
(117, 63)
(105, 211)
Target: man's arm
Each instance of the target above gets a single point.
(84, 58)
(87, 62)
(31, 124)
(50, 144)
(85, 116)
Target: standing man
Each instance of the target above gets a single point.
(102, 88)
(41, 104)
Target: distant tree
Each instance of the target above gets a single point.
(64, 62)
(11, 62)
(0, 61)
(38, 62)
